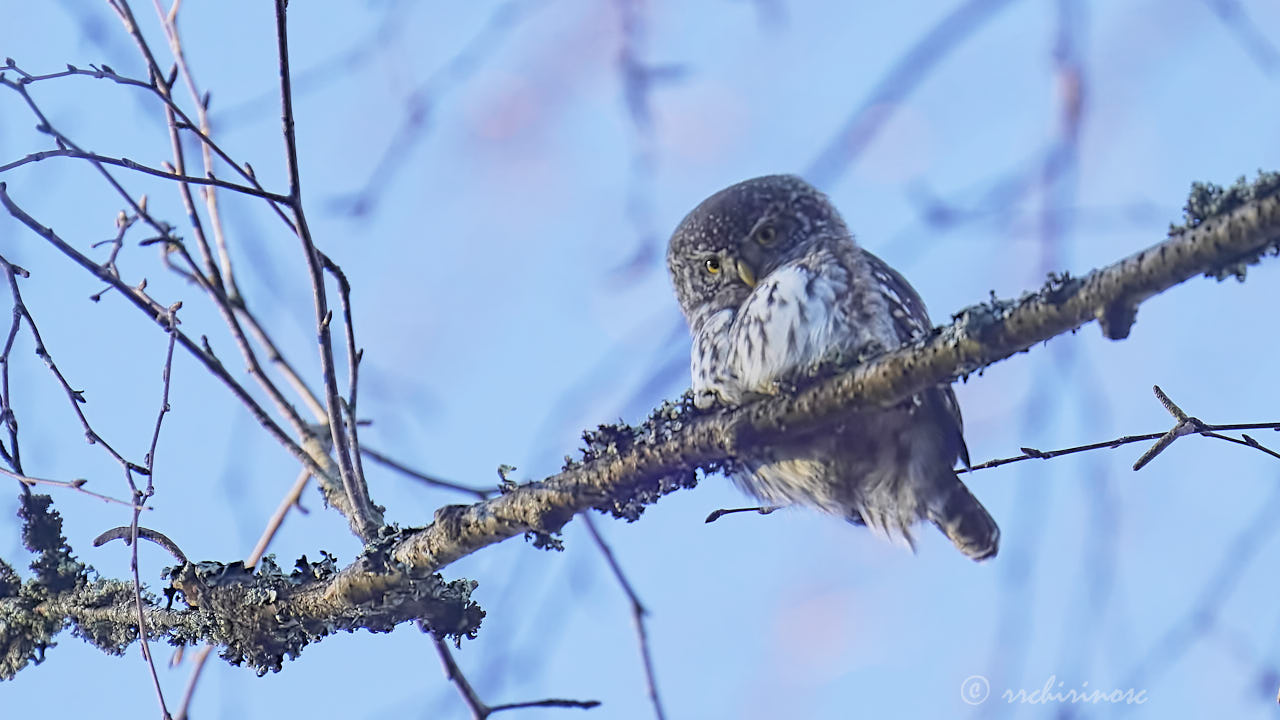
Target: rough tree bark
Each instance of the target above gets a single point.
(260, 615)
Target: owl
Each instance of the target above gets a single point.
(772, 284)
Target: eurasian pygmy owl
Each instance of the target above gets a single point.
(772, 284)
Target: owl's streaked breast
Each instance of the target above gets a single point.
(790, 321)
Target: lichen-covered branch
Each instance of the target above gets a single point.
(1226, 230)
(261, 616)
(257, 616)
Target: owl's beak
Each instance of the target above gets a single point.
(747, 274)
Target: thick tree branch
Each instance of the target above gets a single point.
(260, 617)
(1225, 232)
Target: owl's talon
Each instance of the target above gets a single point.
(704, 399)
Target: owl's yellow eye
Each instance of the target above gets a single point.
(712, 264)
(766, 234)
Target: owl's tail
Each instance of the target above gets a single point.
(960, 517)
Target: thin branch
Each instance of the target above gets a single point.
(127, 534)
(132, 165)
(189, 693)
(638, 613)
(169, 21)
(13, 453)
(275, 357)
(210, 278)
(365, 518)
(163, 230)
(1185, 425)
(76, 397)
(77, 485)
(354, 357)
(166, 375)
(481, 711)
(141, 497)
(1247, 441)
(211, 274)
(320, 462)
(382, 459)
(760, 510)
(289, 500)
(105, 72)
(550, 702)
(311, 459)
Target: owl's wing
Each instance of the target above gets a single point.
(911, 321)
(786, 323)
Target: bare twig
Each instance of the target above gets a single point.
(13, 453)
(210, 278)
(354, 357)
(126, 533)
(200, 351)
(382, 459)
(169, 21)
(275, 357)
(762, 510)
(638, 613)
(289, 500)
(76, 397)
(481, 711)
(189, 693)
(131, 165)
(212, 286)
(105, 72)
(1185, 425)
(365, 519)
(140, 498)
(77, 485)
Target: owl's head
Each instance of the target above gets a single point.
(738, 236)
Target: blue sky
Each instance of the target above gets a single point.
(510, 292)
